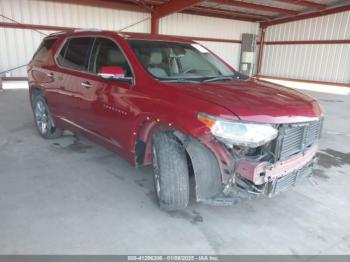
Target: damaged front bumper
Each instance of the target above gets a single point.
(223, 180)
(280, 176)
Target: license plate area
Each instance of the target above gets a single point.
(284, 183)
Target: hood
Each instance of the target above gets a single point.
(256, 100)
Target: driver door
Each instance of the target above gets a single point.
(107, 111)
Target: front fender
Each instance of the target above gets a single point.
(206, 170)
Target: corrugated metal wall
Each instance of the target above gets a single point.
(200, 26)
(18, 45)
(320, 62)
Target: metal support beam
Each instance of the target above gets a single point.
(327, 11)
(174, 6)
(168, 8)
(230, 13)
(303, 3)
(106, 4)
(34, 27)
(261, 48)
(255, 6)
(58, 28)
(154, 24)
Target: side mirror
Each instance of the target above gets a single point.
(108, 72)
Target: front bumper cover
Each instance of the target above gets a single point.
(262, 172)
(216, 185)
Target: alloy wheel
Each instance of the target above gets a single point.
(41, 117)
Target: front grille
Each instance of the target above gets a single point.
(284, 183)
(296, 138)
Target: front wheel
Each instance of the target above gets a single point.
(170, 169)
(43, 119)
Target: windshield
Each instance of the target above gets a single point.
(172, 61)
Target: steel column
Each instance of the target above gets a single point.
(261, 48)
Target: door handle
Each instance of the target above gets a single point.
(50, 74)
(86, 84)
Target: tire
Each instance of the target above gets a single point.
(43, 119)
(170, 172)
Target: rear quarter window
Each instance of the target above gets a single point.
(44, 48)
(75, 53)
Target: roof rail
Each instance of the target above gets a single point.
(58, 33)
(87, 29)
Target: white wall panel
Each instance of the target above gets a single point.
(330, 63)
(17, 48)
(71, 15)
(18, 45)
(230, 53)
(319, 62)
(200, 26)
(329, 27)
(194, 25)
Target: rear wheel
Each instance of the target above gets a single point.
(43, 119)
(170, 169)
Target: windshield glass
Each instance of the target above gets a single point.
(172, 61)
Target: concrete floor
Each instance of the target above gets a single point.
(70, 196)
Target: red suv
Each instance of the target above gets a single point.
(172, 103)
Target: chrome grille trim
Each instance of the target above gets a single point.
(296, 138)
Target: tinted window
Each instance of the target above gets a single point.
(60, 57)
(44, 49)
(107, 53)
(77, 54)
(171, 60)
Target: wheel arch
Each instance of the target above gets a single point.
(147, 126)
(202, 159)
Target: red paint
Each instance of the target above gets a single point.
(210, 39)
(115, 71)
(226, 15)
(174, 6)
(35, 27)
(255, 6)
(107, 4)
(309, 42)
(117, 113)
(230, 13)
(154, 24)
(303, 16)
(303, 3)
(59, 28)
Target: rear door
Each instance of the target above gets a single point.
(41, 71)
(73, 60)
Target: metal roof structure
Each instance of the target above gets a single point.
(266, 12)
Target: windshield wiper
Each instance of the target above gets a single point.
(180, 80)
(218, 78)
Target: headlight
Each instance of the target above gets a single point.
(238, 132)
